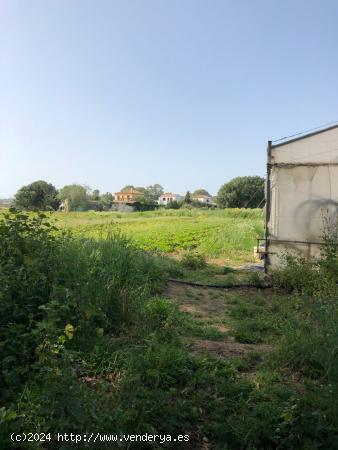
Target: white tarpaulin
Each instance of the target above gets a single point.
(302, 187)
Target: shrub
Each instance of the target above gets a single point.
(62, 293)
(27, 270)
(173, 204)
(316, 278)
(193, 261)
(37, 196)
(305, 277)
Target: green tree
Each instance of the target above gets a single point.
(77, 196)
(95, 195)
(128, 187)
(37, 196)
(106, 201)
(242, 192)
(187, 198)
(153, 192)
(201, 192)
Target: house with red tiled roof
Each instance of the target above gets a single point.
(128, 197)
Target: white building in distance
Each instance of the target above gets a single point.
(206, 199)
(164, 199)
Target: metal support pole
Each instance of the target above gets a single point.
(267, 206)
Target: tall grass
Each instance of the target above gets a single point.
(60, 296)
(87, 346)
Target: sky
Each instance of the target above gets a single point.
(185, 93)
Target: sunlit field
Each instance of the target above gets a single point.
(222, 236)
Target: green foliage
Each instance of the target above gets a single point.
(77, 195)
(304, 333)
(228, 234)
(310, 341)
(27, 269)
(193, 261)
(328, 262)
(173, 204)
(308, 350)
(227, 269)
(152, 193)
(59, 292)
(37, 196)
(303, 276)
(106, 201)
(258, 319)
(187, 198)
(201, 192)
(128, 187)
(95, 195)
(97, 202)
(317, 278)
(87, 347)
(241, 192)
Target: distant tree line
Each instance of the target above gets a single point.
(43, 196)
(240, 192)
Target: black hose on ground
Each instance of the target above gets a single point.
(223, 286)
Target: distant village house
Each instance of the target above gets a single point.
(128, 197)
(169, 197)
(206, 199)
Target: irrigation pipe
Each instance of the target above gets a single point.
(222, 286)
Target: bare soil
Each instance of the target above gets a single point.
(211, 306)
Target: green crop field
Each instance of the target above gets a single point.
(222, 236)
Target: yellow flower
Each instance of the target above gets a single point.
(69, 331)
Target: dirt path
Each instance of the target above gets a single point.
(212, 308)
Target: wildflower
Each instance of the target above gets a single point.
(69, 331)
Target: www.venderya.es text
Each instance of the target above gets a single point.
(76, 438)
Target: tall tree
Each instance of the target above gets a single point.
(106, 200)
(201, 192)
(242, 192)
(141, 189)
(127, 188)
(153, 192)
(37, 196)
(95, 194)
(187, 198)
(77, 195)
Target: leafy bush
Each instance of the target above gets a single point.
(193, 261)
(317, 278)
(37, 196)
(173, 204)
(308, 352)
(241, 192)
(62, 293)
(27, 271)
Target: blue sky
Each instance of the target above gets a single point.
(185, 93)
